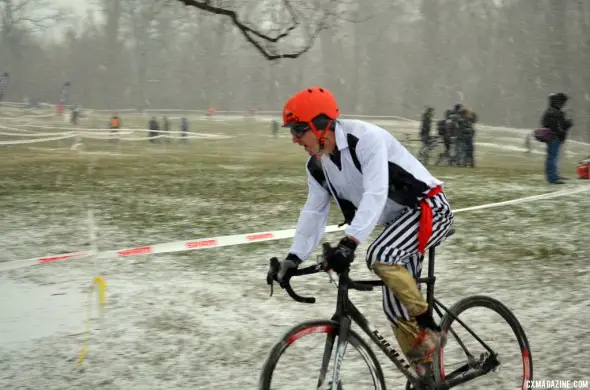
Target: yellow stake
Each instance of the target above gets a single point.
(101, 287)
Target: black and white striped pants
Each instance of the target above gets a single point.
(398, 244)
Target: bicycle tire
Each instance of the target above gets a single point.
(501, 309)
(320, 326)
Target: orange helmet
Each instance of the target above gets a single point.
(308, 103)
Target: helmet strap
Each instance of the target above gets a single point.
(320, 135)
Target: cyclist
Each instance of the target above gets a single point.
(374, 180)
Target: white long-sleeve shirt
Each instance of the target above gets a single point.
(385, 164)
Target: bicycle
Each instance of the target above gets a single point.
(339, 326)
(428, 145)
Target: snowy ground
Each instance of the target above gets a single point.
(203, 319)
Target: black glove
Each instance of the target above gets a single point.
(340, 257)
(280, 270)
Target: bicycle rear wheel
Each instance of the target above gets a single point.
(465, 353)
(295, 362)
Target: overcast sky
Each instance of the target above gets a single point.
(80, 6)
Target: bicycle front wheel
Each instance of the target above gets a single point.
(304, 359)
(484, 337)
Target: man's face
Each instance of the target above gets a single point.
(309, 142)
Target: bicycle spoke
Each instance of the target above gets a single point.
(294, 363)
(467, 357)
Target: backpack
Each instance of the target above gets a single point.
(543, 134)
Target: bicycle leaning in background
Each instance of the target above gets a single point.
(456, 363)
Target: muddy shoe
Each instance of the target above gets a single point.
(425, 369)
(425, 344)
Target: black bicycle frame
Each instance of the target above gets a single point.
(346, 313)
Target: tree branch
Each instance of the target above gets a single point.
(251, 34)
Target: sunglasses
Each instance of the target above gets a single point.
(299, 128)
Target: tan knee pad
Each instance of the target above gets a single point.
(399, 279)
(405, 332)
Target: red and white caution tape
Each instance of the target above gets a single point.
(240, 239)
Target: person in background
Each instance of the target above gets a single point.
(63, 97)
(115, 125)
(184, 129)
(426, 125)
(154, 129)
(468, 118)
(443, 128)
(554, 118)
(3, 85)
(166, 128)
(75, 114)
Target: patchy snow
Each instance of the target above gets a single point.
(517, 148)
(203, 319)
(233, 167)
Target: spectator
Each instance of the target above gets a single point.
(469, 118)
(154, 129)
(554, 119)
(426, 125)
(3, 85)
(115, 125)
(166, 128)
(184, 129)
(443, 127)
(75, 114)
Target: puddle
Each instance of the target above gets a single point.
(30, 311)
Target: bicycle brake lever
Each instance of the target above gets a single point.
(271, 288)
(272, 272)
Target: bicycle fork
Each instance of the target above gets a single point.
(338, 358)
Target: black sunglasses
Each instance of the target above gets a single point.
(299, 128)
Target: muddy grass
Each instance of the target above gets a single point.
(203, 319)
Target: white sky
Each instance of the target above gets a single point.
(79, 6)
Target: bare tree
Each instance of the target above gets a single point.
(294, 24)
(501, 58)
(20, 22)
(20, 16)
(112, 48)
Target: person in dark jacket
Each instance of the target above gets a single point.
(428, 142)
(166, 129)
(183, 129)
(154, 128)
(3, 84)
(443, 128)
(554, 118)
(426, 125)
(469, 120)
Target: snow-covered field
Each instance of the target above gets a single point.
(203, 319)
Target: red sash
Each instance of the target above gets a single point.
(425, 228)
